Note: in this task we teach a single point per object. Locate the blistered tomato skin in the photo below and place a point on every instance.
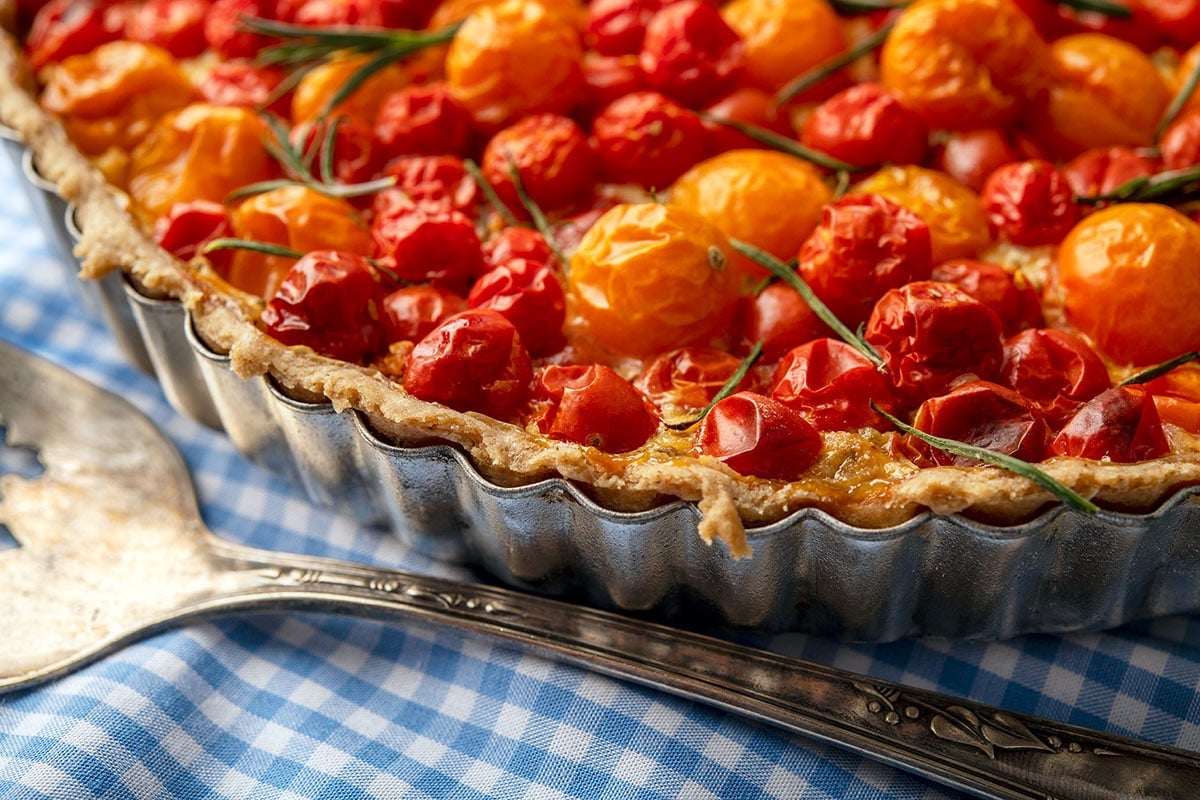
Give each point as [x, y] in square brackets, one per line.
[689, 378]
[780, 319]
[552, 157]
[1101, 170]
[648, 278]
[646, 139]
[473, 361]
[690, 54]
[783, 39]
[411, 312]
[755, 435]
[1030, 203]
[1120, 425]
[1127, 281]
[593, 406]
[1010, 295]
[1054, 369]
[243, 83]
[929, 334]
[982, 414]
[426, 242]
[866, 125]
[190, 225]
[422, 120]
[832, 385]
[1180, 142]
[864, 246]
[618, 27]
[442, 180]
[530, 296]
[328, 301]
[356, 159]
[516, 242]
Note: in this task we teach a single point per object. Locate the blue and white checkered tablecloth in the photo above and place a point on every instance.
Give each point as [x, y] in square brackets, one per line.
[307, 706]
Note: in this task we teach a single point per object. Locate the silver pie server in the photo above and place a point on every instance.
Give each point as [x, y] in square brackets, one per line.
[112, 548]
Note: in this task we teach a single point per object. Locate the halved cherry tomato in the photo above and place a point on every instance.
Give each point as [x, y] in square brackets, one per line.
[328, 301]
[1053, 369]
[983, 414]
[832, 385]
[755, 435]
[472, 361]
[593, 406]
[530, 296]
[1121, 425]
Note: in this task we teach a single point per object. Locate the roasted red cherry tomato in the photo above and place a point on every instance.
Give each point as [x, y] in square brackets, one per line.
[983, 414]
[687, 379]
[755, 435]
[865, 245]
[1053, 369]
[780, 319]
[607, 78]
[1120, 425]
[690, 53]
[355, 158]
[65, 28]
[552, 156]
[1180, 143]
[832, 385]
[1010, 295]
[593, 406]
[437, 179]
[411, 312]
[176, 26]
[224, 31]
[330, 302]
[930, 334]
[618, 27]
[188, 226]
[241, 82]
[473, 361]
[422, 241]
[746, 105]
[971, 156]
[646, 139]
[530, 296]
[423, 120]
[1101, 170]
[1030, 203]
[867, 125]
[516, 242]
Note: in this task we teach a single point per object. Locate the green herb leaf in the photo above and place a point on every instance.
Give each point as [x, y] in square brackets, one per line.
[789, 276]
[489, 193]
[781, 143]
[250, 244]
[1179, 101]
[824, 70]
[1106, 7]
[535, 213]
[728, 388]
[850, 7]
[992, 458]
[1149, 374]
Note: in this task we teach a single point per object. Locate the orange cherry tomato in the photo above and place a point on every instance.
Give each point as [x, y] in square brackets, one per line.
[766, 198]
[202, 152]
[1127, 280]
[963, 63]
[782, 39]
[320, 84]
[295, 217]
[112, 96]
[513, 59]
[649, 277]
[1106, 92]
[957, 224]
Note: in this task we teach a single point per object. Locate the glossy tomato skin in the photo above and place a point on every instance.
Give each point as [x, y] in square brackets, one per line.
[1180, 142]
[750, 106]
[983, 414]
[552, 157]
[426, 242]
[1121, 425]
[188, 226]
[971, 156]
[356, 159]
[930, 334]
[606, 79]
[472, 361]
[689, 377]
[646, 139]
[411, 312]
[1030, 203]
[865, 245]
[516, 242]
[755, 435]
[690, 53]
[177, 26]
[1101, 170]
[867, 125]
[441, 180]
[530, 296]
[422, 120]
[241, 82]
[63, 28]
[224, 33]
[1010, 295]
[593, 406]
[780, 319]
[832, 385]
[1053, 369]
[328, 301]
[618, 27]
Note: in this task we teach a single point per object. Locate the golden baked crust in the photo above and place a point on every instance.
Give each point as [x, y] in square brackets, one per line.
[854, 480]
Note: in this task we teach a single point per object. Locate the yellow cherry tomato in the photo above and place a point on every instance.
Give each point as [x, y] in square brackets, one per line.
[320, 84]
[1127, 279]
[513, 59]
[766, 198]
[782, 39]
[202, 152]
[113, 95]
[649, 277]
[958, 227]
[295, 217]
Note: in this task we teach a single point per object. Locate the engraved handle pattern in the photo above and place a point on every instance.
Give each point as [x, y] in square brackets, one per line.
[986, 751]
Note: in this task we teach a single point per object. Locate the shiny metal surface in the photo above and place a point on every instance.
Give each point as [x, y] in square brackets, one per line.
[933, 576]
[112, 547]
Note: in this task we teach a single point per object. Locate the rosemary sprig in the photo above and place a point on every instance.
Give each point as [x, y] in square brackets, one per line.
[728, 388]
[489, 193]
[1157, 371]
[1170, 185]
[823, 71]
[789, 276]
[1179, 101]
[249, 244]
[1106, 7]
[535, 213]
[1006, 462]
[850, 7]
[781, 143]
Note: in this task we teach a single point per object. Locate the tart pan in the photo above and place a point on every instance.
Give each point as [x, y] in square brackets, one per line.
[935, 575]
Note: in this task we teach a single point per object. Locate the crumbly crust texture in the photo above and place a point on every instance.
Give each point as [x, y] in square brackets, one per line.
[855, 480]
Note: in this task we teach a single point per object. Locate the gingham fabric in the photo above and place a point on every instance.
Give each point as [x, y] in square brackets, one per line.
[308, 706]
